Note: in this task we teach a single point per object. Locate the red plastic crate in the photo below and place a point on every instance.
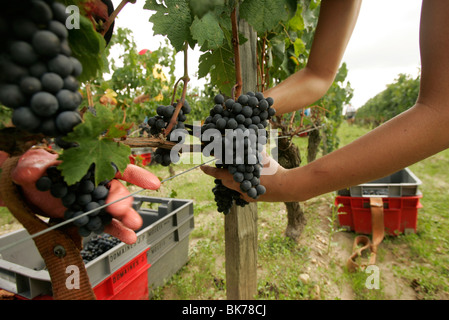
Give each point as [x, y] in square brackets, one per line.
[130, 282]
[145, 157]
[400, 214]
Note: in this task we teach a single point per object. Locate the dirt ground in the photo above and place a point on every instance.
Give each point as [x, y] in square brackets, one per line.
[394, 288]
[10, 227]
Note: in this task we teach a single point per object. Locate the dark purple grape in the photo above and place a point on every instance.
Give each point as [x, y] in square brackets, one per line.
[58, 190]
[82, 221]
[23, 53]
[61, 65]
[44, 183]
[46, 43]
[40, 12]
[52, 82]
[58, 29]
[67, 120]
[25, 119]
[11, 96]
[30, 85]
[44, 104]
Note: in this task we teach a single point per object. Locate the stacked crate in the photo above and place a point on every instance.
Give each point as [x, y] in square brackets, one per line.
[401, 201]
[125, 272]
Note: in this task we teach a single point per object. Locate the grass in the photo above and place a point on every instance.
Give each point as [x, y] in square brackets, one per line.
[6, 220]
[413, 266]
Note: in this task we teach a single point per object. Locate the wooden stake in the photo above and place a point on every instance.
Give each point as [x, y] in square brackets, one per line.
[241, 223]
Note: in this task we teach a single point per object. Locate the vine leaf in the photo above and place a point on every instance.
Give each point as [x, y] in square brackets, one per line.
[94, 148]
[172, 19]
[207, 30]
[264, 15]
[220, 65]
[201, 7]
[88, 47]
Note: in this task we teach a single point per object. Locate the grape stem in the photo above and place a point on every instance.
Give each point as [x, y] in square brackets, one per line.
[235, 44]
[185, 79]
[114, 14]
[90, 99]
[292, 118]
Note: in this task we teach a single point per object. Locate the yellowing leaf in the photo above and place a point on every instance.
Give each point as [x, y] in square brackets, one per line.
[109, 97]
[159, 97]
[158, 73]
[295, 60]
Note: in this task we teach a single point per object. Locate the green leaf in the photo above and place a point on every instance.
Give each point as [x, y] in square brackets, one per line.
[278, 48]
[219, 64]
[299, 47]
[207, 30]
[200, 7]
[309, 13]
[88, 47]
[297, 22]
[93, 148]
[264, 15]
[172, 19]
[292, 6]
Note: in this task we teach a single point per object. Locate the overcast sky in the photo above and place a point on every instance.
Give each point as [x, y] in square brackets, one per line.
[384, 44]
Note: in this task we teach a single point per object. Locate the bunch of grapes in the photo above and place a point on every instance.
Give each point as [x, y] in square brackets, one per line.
[159, 122]
[79, 198]
[98, 245]
[38, 75]
[241, 124]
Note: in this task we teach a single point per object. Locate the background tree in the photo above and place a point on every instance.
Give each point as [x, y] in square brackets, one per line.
[136, 84]
[396, 98]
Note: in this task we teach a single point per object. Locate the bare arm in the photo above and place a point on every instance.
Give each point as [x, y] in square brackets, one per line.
[334, 29]
[414, 135]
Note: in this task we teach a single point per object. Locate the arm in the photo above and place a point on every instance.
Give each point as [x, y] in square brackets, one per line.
[335, 25]
[412, 136]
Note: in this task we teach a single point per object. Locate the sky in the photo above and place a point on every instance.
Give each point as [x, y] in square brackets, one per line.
[385, 43]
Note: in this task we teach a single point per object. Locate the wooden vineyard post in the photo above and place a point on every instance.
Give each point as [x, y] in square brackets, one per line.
[241, 223]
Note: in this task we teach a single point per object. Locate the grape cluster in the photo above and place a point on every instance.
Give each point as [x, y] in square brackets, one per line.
[241, 124]
[159, 122]
[79, 198]
[98, 245]
[38, 75]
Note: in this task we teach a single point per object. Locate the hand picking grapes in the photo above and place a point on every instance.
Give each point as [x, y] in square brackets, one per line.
[377, 152]
[119, 219]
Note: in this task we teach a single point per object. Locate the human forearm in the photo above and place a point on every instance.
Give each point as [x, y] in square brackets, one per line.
[335, 25]
[406, 139]
[298, 91]
[410, 137]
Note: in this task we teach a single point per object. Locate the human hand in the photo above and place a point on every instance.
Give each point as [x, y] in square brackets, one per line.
[269, 178]
[33, 164]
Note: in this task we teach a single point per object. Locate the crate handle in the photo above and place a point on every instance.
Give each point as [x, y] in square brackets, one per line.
[378, 232]
[67, 242]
